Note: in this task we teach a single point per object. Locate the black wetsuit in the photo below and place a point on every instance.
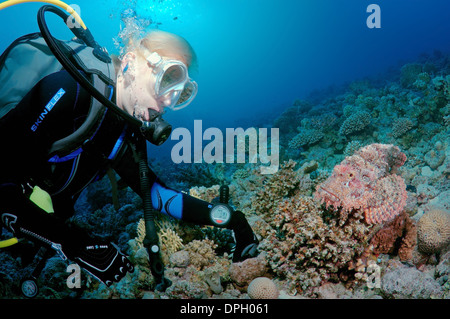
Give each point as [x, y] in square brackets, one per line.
[52, 110]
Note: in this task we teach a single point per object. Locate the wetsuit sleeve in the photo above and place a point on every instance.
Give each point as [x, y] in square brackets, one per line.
[164, 199]
[185, 207]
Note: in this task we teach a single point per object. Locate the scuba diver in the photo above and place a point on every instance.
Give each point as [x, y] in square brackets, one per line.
[58, 139]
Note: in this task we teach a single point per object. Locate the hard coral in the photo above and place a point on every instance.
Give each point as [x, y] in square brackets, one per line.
[242, 273]
[308, 246]
[205, 193]
[434, 231]
[201, 253]
[398, 235]
[262, 288]
[366, 181]
[169, 239]
[356, 122]
[281, 184]
[305, 137]
[401, 126]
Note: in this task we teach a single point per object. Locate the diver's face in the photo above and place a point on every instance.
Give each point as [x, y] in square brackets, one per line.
[136, 85]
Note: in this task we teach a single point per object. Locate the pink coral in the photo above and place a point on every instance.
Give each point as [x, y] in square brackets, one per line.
[367, 181]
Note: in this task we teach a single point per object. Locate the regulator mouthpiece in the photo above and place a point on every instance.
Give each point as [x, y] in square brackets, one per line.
[157, 130]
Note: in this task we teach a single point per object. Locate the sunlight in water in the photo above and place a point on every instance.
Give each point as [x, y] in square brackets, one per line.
[136, 18]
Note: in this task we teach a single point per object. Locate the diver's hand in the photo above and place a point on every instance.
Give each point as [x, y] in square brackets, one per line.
[105, 261]
[246, 241]
[243, 251]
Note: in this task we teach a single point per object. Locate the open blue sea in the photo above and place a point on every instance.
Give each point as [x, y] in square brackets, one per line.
[257, 56]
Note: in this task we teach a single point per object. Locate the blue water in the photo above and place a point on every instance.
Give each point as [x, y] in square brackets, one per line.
[257, 56]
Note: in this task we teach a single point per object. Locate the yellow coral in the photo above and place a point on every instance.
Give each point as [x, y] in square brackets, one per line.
[168, 237]
[140, 233]
[205, 193]
[170, 240]
[433, 231]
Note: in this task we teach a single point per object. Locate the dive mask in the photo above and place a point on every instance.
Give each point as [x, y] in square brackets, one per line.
[172, 83]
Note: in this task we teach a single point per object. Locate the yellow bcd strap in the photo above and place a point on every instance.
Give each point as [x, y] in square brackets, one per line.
[42, 199]
[8, 242]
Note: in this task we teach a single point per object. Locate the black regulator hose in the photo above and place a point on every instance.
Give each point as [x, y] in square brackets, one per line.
[151, 241]
[86, 36]
[154, 133]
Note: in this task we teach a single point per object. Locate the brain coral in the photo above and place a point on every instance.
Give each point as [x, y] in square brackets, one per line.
[433, 231]
[367, 181]
[262, 288]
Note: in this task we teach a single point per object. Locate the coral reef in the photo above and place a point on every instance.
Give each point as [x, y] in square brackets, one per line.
[308, 246]
[398, 236]
[244, 272]
[305, 137]
[352, 147]
[376, 236]
[287, 121]
[442, 272]
[140, 230]
[201, 253]
[199, 174]
[168, 237]
[433, 231]
[205, 193]
[404, 282]
[401, 126]
[366, 181]
[409, 74]
[313, 129]
[354, 123]
[262, 288]
[180, 259]
[281, 184]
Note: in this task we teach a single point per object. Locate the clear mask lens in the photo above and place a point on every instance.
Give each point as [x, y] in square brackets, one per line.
[173, 86]
[172, 78]
[187, 95]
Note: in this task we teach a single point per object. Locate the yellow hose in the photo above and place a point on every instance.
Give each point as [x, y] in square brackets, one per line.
[58, 3]
[8, 242]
